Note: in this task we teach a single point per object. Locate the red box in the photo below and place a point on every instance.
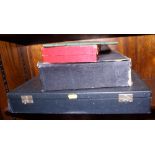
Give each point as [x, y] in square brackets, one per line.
[70, 54]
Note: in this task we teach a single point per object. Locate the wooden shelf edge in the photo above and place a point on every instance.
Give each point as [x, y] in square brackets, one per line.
[29, 39]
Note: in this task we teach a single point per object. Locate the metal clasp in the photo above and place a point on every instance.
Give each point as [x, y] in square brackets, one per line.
[72, 96]
[125, 97]
[27, 99]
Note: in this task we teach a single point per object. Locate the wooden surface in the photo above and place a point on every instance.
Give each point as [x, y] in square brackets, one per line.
[20, 62]
[29, 39]
[13, 69]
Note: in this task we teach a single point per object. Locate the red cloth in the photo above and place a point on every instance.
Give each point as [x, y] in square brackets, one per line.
[70, 54]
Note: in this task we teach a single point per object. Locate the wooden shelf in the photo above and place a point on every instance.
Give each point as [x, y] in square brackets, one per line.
[140, 48]
[29, 39]
[150, 116]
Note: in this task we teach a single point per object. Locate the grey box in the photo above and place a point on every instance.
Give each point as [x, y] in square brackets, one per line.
[111, 70]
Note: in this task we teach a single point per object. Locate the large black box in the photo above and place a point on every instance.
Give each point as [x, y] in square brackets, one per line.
[29, 98]
[111, 70]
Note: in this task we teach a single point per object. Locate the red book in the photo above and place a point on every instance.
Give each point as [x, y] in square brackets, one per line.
[70, 54]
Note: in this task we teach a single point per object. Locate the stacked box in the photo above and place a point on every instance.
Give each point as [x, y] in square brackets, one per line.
[30, 99]
[111, 70]
[78, 79]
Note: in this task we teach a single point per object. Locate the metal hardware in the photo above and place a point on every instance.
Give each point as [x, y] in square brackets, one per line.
[125, 97]
[72, 96]
[24, 66]
[27, 99]
[3, 76]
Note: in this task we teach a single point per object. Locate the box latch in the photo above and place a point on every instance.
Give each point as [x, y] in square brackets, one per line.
[27, 99]
[125, 98]
[72, 96]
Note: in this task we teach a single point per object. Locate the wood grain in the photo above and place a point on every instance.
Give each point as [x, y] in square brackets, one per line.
[141, 50]
[13, 67]
[12, 64]
[34, 56]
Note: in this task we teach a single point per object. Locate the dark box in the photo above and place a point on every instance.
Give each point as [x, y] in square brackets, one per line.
[111, 70]
[29, 98]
